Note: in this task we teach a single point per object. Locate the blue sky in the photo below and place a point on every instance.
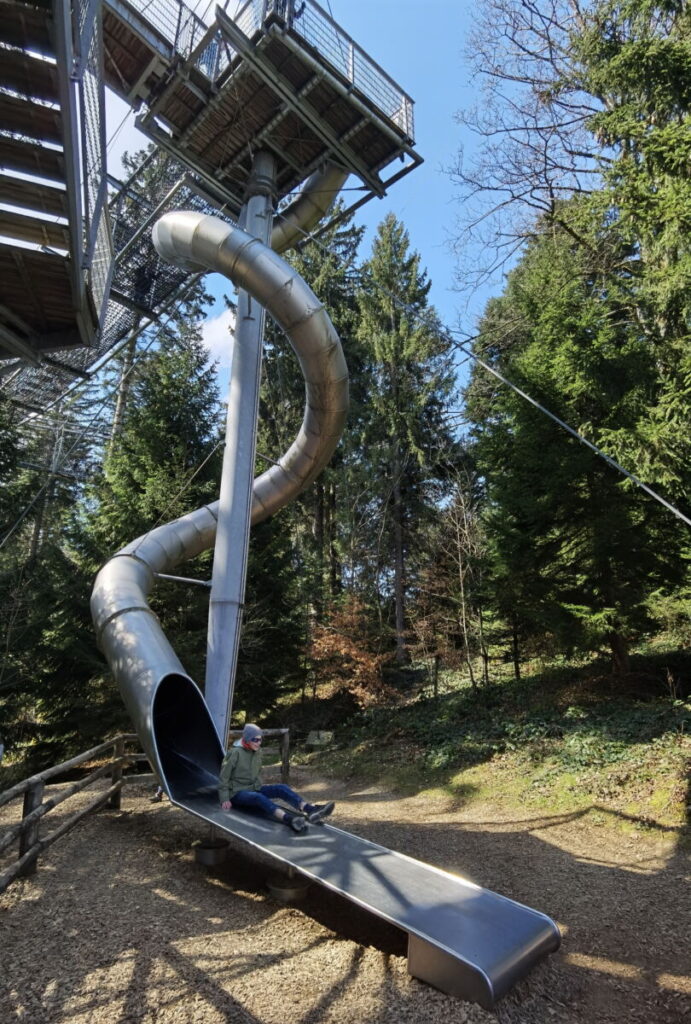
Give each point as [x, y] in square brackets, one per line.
[420, 46]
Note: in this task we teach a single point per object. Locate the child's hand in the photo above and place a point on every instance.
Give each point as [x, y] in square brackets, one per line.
[226, 805]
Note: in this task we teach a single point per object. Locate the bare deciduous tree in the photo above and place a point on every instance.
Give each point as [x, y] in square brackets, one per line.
[535, 148]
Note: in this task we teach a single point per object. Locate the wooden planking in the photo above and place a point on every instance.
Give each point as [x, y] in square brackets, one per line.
[26, 26]
[180, 107]
[31, 158]
[288, 64]
[36, 287]
[246, 105]
[127, 55]
[29, 75]
[32, 195]
[236, 119]
[28, 118]
[217, 125]
[218, 134]
[34, 229]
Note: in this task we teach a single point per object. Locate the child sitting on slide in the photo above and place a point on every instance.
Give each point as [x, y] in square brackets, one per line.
[240, 787]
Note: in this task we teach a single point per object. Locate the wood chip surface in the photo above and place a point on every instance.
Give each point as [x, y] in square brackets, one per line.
[120, 925]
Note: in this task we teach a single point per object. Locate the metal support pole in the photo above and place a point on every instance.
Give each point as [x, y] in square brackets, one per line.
[235, 499]
[285, 756]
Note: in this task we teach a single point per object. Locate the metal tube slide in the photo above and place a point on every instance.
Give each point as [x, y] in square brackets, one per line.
[316, 198]
[165, 704]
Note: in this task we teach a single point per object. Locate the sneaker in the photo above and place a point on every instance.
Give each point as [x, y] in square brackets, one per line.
[297, 822]
[320, 811]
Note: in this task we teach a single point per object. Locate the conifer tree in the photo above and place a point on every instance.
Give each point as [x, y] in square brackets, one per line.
[406, 444]
[161, 464]
[165, 462]
[47, 661]
[576, 551]
[597, 105]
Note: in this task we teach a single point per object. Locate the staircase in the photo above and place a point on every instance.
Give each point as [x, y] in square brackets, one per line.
[78, 273]
[54, 240]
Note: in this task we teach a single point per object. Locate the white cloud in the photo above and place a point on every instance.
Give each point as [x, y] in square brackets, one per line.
[217, 337]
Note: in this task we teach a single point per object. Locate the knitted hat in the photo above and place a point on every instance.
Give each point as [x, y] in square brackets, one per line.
[251, 732]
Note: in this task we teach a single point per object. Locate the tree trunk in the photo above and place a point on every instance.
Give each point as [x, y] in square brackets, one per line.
[515, 648]
[464, 611]
[45, 502]
[621, 664]
[124, 385]
[483, 648]
[399, 565]
[335, 566]
[318, 534]
[435, 676]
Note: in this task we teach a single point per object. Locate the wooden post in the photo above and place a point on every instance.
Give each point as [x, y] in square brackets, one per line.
[285, 755]
[116, 774]
[33, 798]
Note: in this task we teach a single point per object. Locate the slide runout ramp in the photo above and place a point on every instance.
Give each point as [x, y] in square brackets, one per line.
[465, 940]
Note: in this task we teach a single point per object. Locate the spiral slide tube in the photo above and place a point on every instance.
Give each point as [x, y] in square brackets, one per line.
[166, 706]
[464, 940]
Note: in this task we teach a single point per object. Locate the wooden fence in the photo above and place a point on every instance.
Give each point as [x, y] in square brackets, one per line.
[27, 831]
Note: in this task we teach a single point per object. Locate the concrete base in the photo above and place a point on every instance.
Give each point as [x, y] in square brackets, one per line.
[211, 852]
[290, 888]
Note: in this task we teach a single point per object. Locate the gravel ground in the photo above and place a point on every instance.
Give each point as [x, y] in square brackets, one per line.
[121, 925]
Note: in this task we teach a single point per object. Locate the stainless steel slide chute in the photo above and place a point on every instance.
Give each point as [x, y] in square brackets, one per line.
[463, 939]
[153, 682]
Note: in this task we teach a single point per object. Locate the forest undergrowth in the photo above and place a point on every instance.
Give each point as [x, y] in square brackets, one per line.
[561, 740]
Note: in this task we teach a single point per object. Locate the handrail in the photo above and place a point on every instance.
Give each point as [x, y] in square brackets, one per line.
[334, 45]
[175, 22]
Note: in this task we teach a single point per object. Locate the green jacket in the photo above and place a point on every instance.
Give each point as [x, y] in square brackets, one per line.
[240, 770]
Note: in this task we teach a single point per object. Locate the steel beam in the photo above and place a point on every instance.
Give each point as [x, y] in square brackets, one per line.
[285, 90]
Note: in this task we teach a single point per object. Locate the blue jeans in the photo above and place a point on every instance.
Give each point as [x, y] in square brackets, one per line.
[263, 799]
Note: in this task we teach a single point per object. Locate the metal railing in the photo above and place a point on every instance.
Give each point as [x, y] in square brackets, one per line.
[322, 33]
[98, 242]
[27, 831]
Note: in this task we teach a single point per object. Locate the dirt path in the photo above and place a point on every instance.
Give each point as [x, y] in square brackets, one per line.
[121, 925]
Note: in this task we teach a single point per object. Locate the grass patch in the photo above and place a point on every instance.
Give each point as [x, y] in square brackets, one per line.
[546, 743]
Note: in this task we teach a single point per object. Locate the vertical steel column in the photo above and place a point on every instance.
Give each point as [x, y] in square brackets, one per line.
[235, 499]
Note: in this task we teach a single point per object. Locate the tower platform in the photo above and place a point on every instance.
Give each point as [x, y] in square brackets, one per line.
[280, 76]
